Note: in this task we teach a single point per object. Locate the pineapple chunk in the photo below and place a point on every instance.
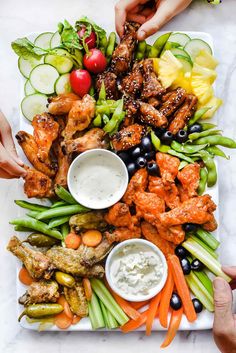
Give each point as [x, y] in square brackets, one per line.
[202, 89]
[204, 73]
[155, 65]
[206, 60]
[214, 103]
[169, 68]
[183, 80]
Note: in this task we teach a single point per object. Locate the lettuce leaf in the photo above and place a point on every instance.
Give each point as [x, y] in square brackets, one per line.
[69, 36]
[25, 48]
[90, 25]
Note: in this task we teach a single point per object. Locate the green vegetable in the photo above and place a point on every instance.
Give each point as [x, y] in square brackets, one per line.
[208, 238]
[148, 48]
[109, 319]
[69, 36]
[92, 91]
[102, 93]
[95, 313]
[55, 222]
[25, 48]
[34, 224]
[109, 302]
[36, 311]
[112, 126]
[205, 280]
[141, 49]
[182, 165]
[197, 115]
[31, 206]
[180, 156]
[211, 167]
[189, 149]
[198, 135]
[110, 46]
[216, 151]
[22, 229]
[204, 245]
[62, 211]
[63, 194]
[98, 121]
[41, 240]
[92, 26]
[207, 126]
[65, 230]
[202, 181]
[59, 204]
[64, 279]
[33, 214]
[157, 143]
[158, 45]
[216, 140]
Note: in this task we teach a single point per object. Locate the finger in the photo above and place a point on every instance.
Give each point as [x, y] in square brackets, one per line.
[230, 271]
[136, 9]
[9, 165]
[147, 11]
[136, 18]
[5, 175]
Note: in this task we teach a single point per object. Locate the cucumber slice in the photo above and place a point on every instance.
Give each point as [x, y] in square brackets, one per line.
[62, 84]
[187, 64]
[182, 52]
[60, 61]
[55, 40]
[34, 104]
[180, 38]
[29, 89]
[43, 40]
[194, 46]
[27, 65]
[43, 78]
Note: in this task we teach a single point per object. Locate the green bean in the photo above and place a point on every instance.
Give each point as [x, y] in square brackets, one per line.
[158, 45]
[180, 156]
[217, 140]
[216, 151]
[116, 118]
[97, 121]
[41, 240]
[157, 143]
[33, 214]
[198, 135]
[64, 279]
[148, 48]
[105, 119]
[31, 206]
[63, 194]
[59, 204]
[103, 44]
[34, 224]
[55, 222]
[210, 166]
[62, 211]
[36, 311]
[202, 181]
[102, 92]
[182, 165]
[22, 229]
[189, 149]
[207, 126]
[141, 49]
[198, 114]
[65, 229]
[110, 46]
[92, 91]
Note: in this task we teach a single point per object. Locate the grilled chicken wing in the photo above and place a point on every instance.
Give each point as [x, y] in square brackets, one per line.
[138, 182]
[168, 166]
[63, 167]
[123, 233]
[37, 264]
[91, 255]
[80, 116]
[183, 114]
[131, 110]
[45, 132]
[30, 148]
[119, 216]
[89, 220]
[189, 177]
[94, 138]
[133, 82]
[169, 194]
[152, 116]
[151, 85]
[40, 292]
[122, 55]
[110, 83]
[128, 137]
[175, 99]
[61, 104]
[38, 184]
[76, 299]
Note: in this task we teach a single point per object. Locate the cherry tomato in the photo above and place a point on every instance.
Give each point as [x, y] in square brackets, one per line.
[80, 81]
[95, 61]
[90, 40]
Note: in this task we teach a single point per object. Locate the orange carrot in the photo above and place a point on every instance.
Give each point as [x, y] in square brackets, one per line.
[182, 287]
[154, 303]
[25, 277]
[175, 320]
[92, 237]
[63, 302]
[72, 241]
[62, 321]
[76, 319]
[132, 325]
[87, 288]
[139, 305]
[166, 294]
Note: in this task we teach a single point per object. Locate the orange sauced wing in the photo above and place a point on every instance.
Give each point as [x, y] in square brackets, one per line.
[123, 233]
[37, 184]
[168, 166]
[61, 104]
[137, 183]
[148, 206]
[119, 215]
[168, 193]
[63, 167]
[189, 177]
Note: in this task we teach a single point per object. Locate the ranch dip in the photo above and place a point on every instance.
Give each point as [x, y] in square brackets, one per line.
[136, 269]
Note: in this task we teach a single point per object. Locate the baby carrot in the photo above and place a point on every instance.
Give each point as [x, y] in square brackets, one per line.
[154, 303]
[72, 241]
[165, 299]
[62, 321]
[25, 277]
[132, 325]
[139, 305]
[175, 320]
[92, 237]
[87, 288]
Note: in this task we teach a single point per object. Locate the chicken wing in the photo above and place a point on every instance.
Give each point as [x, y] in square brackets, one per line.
[175, 99]
[189, 177]
[132, 83]
[151, 86]
[169, 194]
[76, 299]
[110, 83]
[152, 116]
[80, 116]
[211, 225]
[37, 184]
[123, 233]
[88, 220]
[138, 182]
[168, 166]
[119, 216]
[63, 161]
[61, 104]
[40, 292]
[148, 206]
[37, 264]
[131, 111]
[128, 137]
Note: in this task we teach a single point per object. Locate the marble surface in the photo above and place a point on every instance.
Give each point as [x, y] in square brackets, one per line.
[20, 17]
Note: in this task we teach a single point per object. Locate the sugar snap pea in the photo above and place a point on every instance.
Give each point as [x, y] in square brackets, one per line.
[141, 49]
[65, 229]
[216, 140]
[36, 311]
[189, 149]
[216, 151]
[34, 224]
[33, 214]
[211, 167]
[198, 135]
[116, 119]
[103, 44]
[207, 126]
[102, 92]
[64, 279]
[41, 240]
[182, 165]
[158, 45]
[31, 206]
[97, 122]
[180, 156]
[197, 115]
[58, 221]
[64, 195]
[157, 143]
[62, 211]
[22, 229]
[59, 204]
[148, 48]
[202, 181]
[110, 46]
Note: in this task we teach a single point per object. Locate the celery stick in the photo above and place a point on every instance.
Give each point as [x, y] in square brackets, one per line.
[104, 313]
[109, 302]
[204, 245]
[202, 276]
[208, 238]
[200, 291]
[112, 323]
[209, 261]
[95, 313]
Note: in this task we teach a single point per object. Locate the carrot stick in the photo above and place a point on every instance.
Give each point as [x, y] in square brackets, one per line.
[25, 277]
[92, 237]
[87, 288]
[132, 325]
[63, 302]
[139, 305]
[182, 287]
[154, 303]
[166, 294]
[175, 320]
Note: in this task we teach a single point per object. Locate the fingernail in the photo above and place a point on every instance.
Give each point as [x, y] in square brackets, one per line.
[219, 283]
[20, 161]
[141, 34]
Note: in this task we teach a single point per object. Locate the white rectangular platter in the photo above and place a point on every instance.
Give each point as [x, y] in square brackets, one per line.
[205, 319]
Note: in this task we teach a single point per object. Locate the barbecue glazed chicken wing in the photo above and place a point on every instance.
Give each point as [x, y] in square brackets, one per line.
[138, 183]
[79, 117]
[40, 292]
[76, 299]
[152, 116]
[128, 137]
[45, 132]
[133, 82]
[173, 101]
[110, 83]
[37, 184]
[37, 264]
[151, 86]
[61, 104]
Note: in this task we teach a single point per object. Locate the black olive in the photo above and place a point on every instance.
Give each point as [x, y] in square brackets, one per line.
[197, 265]
[190, 227]
[181, 252]
[146, 144]
[159, 131]
[175, 301]
[181, 136]
[135, 153]
[141, 162]
[131, 167]
[186, 267]
[195, 128]
[153, 169]
[167, 138]
[124, 156]
[150, 155]
[197, 305]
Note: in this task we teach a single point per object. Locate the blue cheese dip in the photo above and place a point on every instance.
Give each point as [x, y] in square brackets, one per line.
[136, 269]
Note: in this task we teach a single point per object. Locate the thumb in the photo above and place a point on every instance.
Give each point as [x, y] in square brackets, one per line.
[223, 304]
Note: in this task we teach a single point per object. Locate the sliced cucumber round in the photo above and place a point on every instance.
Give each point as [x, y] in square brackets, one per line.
[55, 40]
[28, 88]
[43, 78]
[187, 64]
[182, 52]
[62, 84]
[43, 40]
[194, 46]
[180, 38]
[60, 61]
[27, 65]
[34, 104]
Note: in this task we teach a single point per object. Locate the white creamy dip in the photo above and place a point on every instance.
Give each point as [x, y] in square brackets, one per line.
[136, 269]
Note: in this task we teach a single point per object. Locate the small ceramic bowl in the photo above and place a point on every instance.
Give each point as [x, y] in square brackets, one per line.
[97, 178]
[114, 254]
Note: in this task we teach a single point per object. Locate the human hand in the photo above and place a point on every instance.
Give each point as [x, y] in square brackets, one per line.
[224, 328]
[152, 15]
[10, 164]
